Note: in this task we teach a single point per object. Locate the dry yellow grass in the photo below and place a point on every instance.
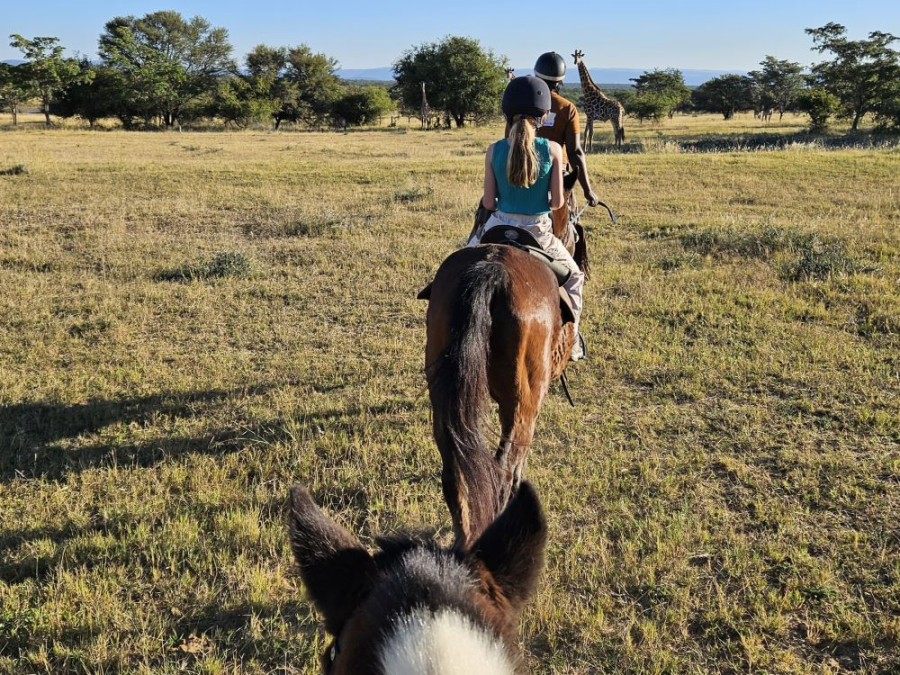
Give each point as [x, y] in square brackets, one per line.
[191, 322]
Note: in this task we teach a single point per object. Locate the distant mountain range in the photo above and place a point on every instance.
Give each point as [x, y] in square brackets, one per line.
[602, 76]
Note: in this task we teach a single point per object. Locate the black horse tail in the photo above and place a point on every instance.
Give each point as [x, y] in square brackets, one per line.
[458, 386]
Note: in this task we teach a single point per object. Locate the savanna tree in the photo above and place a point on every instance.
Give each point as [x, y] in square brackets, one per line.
[726, 94]
[361, 105]
[659, 93]
[46, 70]
[293, 83]
[168, 63]
[777, 85]
[14, 89]
[862, 73]
[93, 96]
[461, 79]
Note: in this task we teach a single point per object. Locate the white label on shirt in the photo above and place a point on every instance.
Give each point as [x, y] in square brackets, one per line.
[551, 118]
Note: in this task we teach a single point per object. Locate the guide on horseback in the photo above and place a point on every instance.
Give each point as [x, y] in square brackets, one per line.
[523, 182]
[561, 124]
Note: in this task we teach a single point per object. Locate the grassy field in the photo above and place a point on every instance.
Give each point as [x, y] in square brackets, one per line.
[191, 322]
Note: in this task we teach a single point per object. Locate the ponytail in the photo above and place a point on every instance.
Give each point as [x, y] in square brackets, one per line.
[522, 162]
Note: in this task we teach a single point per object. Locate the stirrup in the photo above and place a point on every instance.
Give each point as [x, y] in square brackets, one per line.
[573, 356]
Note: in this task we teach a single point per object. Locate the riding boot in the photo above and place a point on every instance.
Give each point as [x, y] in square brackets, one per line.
[579, 349]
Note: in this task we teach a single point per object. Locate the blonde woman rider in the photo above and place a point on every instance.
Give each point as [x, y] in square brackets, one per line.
[523, 181]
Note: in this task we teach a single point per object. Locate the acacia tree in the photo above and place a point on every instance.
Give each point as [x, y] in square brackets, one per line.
[13, 89]
[292, 84]
[659, 93]
[168, 64]
[461, 78]
[777, 85]
[862, 74]
[45, 69]
[361, 105]
[727, 95]
[95, 95]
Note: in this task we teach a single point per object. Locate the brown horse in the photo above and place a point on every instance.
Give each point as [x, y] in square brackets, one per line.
[495, 328]
[413, 607]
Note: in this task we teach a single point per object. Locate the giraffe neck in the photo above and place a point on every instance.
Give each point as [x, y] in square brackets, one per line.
[587, 82]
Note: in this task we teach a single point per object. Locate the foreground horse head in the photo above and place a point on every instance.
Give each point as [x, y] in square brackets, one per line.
[494, 330]
[413, 607]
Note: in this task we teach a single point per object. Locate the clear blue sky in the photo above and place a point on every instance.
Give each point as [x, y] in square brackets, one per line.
[714, 34]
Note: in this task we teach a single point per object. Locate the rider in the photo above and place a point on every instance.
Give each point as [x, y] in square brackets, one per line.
[523, 181]
[561, 124]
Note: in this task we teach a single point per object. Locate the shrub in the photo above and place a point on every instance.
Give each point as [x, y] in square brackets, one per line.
[821, 260]
[820, 105]
[223, 264]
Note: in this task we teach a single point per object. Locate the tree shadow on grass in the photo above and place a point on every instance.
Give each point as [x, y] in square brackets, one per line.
[35, 438]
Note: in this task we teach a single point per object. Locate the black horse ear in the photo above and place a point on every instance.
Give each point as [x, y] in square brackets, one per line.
[335, 567]
[512, 547]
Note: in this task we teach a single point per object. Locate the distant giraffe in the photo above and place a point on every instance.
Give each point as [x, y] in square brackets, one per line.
[598, 106]
[510, 74]
[425, 116]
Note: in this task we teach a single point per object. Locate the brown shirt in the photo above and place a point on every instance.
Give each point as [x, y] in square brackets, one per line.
[563, 117]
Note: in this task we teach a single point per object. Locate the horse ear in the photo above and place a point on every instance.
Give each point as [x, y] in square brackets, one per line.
[335, 567]
[512, 547]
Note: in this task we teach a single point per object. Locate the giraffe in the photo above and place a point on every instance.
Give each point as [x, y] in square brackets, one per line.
[510, 74]
[598, 106]
[425, 109]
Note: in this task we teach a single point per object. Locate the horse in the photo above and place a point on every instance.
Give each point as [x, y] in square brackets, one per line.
[496, 327]
[414, 607]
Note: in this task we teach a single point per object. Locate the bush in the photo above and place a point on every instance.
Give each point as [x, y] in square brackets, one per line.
[223, 264]
[820, 105]
[361, 105]
[821, 260]
[761, 243]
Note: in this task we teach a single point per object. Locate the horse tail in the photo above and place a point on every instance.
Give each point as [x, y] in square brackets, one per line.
[458, 386]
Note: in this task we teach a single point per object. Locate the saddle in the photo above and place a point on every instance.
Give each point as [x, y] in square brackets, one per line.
[523, 240]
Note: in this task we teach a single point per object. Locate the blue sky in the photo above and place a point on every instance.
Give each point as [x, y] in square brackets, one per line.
[714, 34]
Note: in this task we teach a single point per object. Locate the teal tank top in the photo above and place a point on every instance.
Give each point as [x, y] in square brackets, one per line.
[532, 200]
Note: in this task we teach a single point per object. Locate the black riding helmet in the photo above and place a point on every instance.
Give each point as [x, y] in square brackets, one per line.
[550, 66]
[526, 95]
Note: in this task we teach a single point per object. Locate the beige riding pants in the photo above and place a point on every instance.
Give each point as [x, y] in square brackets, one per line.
[541, 227]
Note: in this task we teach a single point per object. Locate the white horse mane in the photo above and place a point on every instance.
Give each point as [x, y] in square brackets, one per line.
[442, 643]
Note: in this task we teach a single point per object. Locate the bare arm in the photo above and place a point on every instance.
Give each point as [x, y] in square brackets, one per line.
[489, 196]
[557, 195]
[576, 156]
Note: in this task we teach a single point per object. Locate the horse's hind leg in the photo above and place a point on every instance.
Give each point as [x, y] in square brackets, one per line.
[518, 416]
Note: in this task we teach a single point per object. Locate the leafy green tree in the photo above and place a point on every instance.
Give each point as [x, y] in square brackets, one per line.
[659, 93]
[14, 89]
[461, 78]
[310, 83]
[292, 84]
[820, 105]
[93, 96]
[862, 73]
[168, 64]
[361, 105]
[46, 69]
[777, 85]
[726, 94]
[887, 110]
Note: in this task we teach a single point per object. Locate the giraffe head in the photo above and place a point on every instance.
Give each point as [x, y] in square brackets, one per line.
[578, 56]
[510, 73]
